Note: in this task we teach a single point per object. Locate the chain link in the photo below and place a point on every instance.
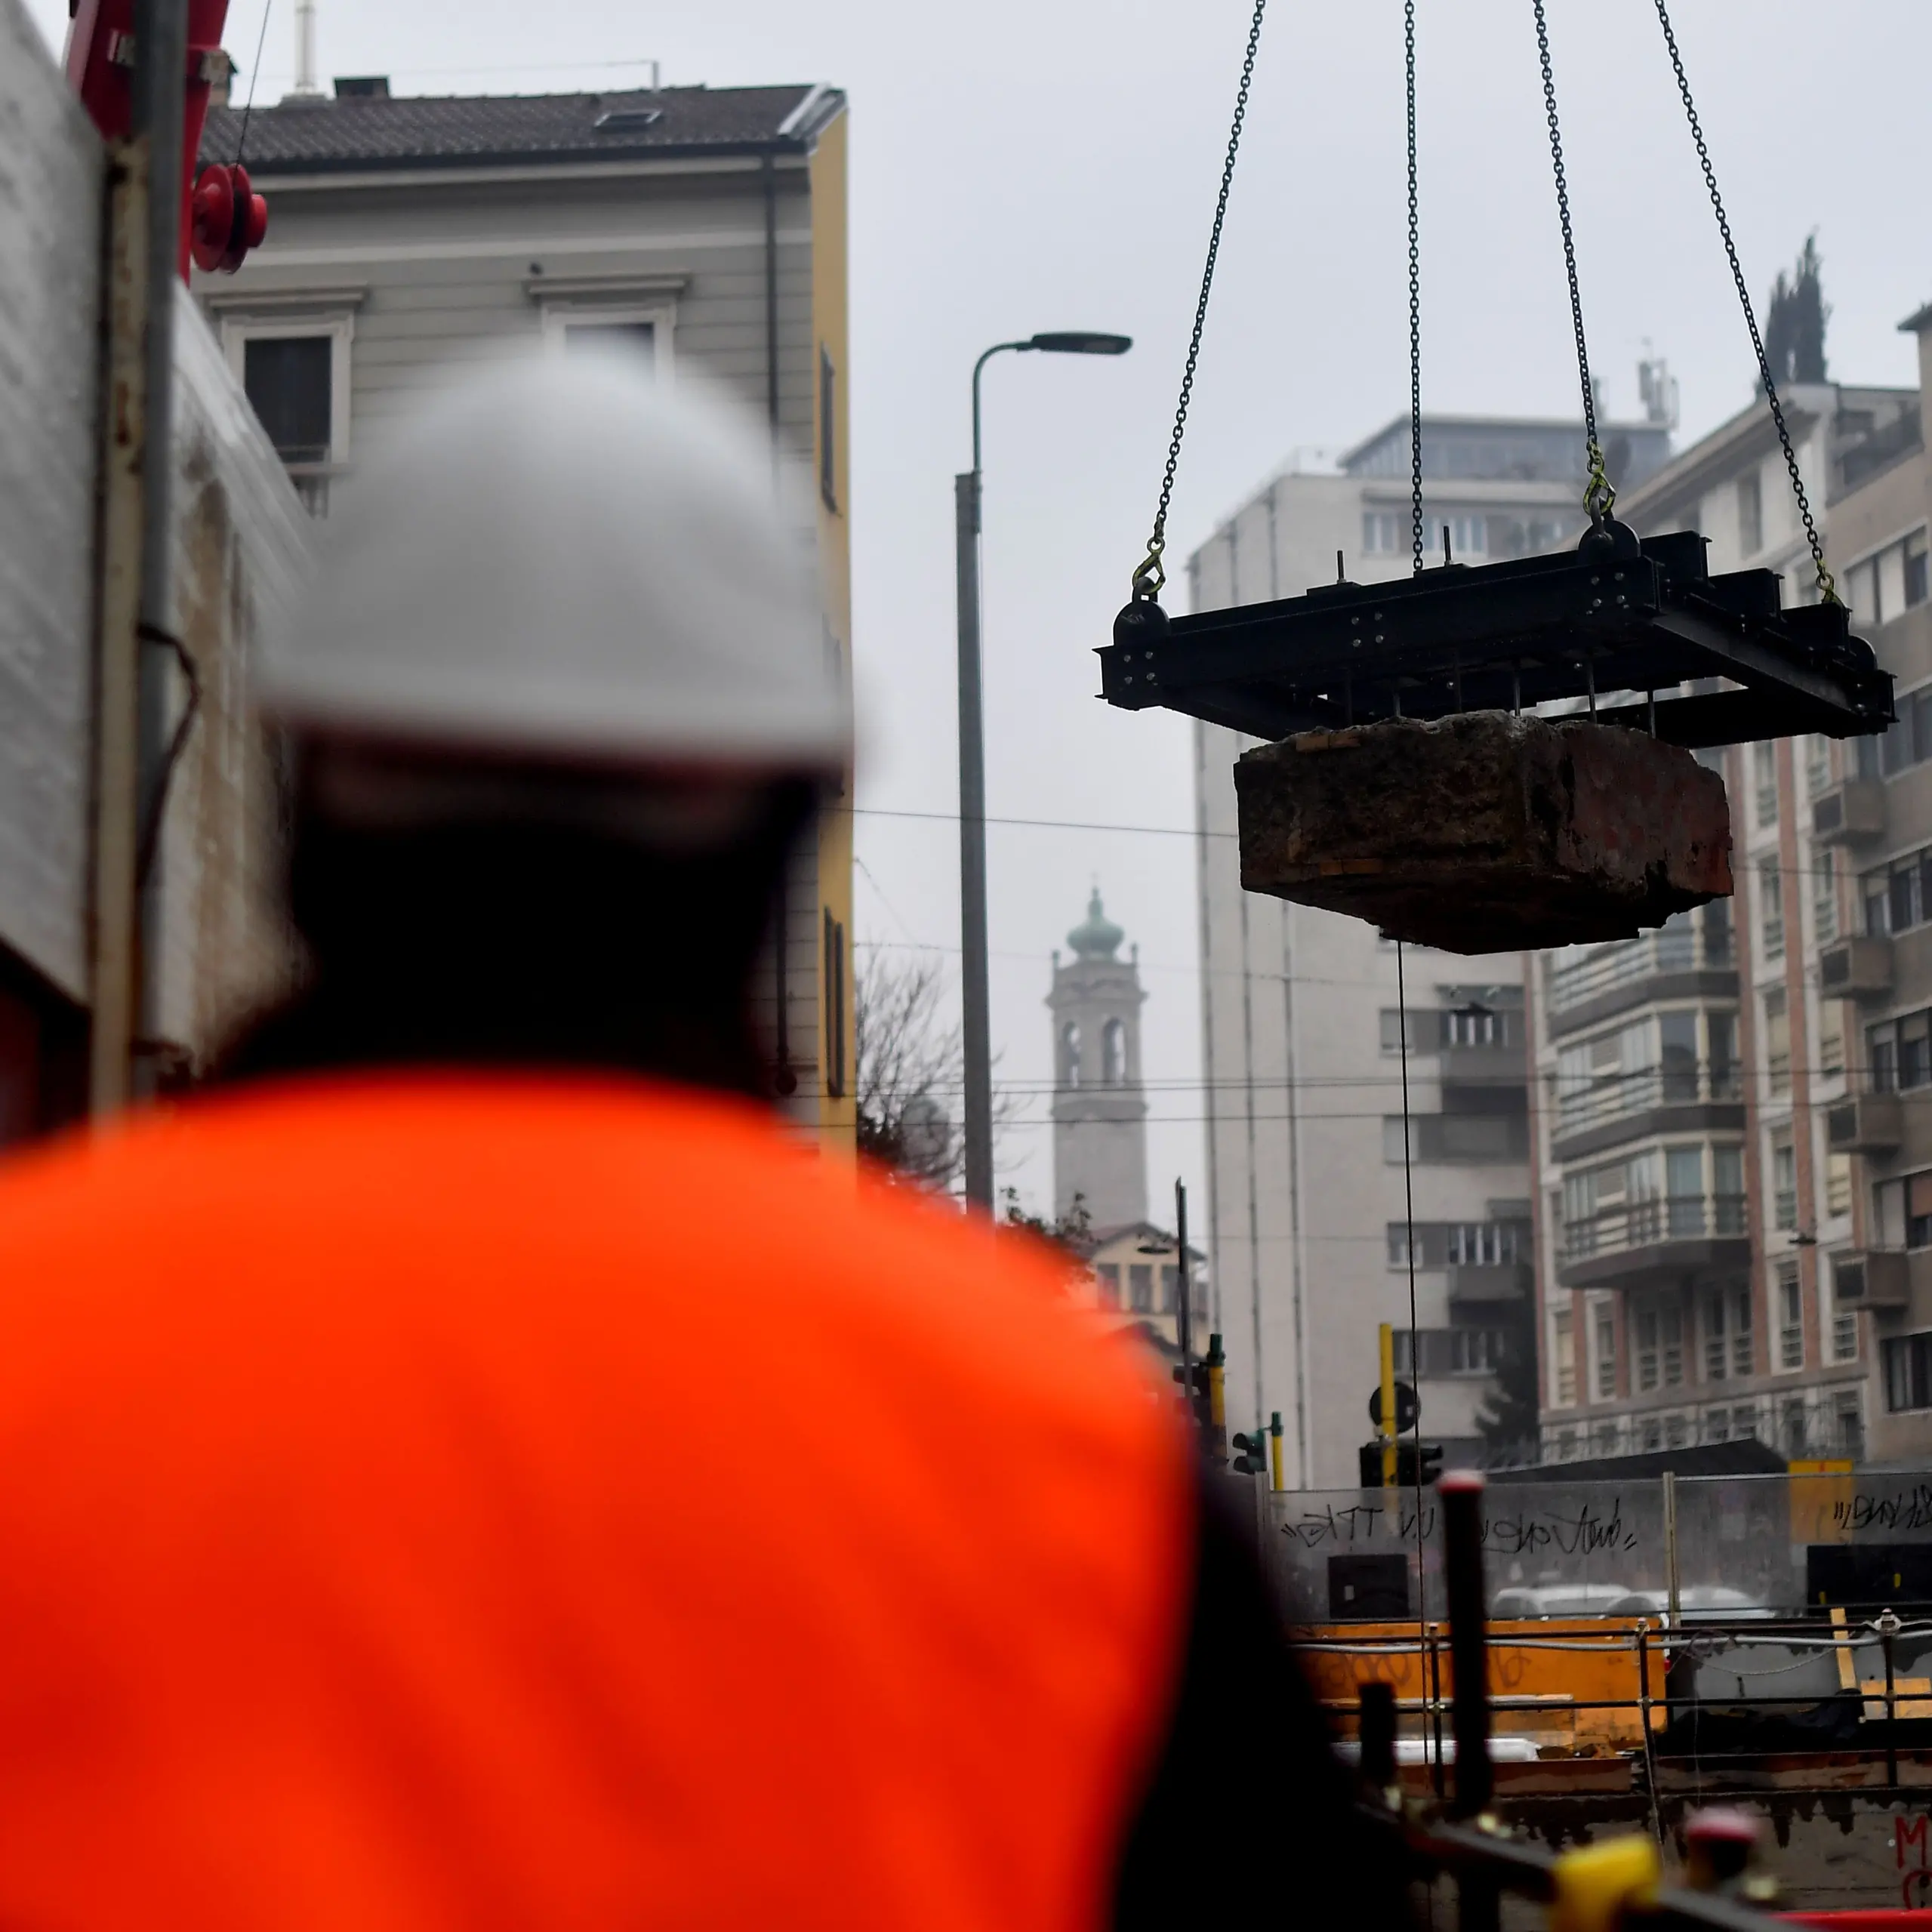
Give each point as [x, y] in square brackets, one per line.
[1828, 588]
[1149, 577]
[1599, 496]
[1414, 303]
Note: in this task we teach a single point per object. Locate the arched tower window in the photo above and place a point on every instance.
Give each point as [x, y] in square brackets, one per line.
[1070, 1054]
[1114, 1054]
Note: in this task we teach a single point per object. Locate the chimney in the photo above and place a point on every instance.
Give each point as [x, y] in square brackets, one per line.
[222, 82]
[305, 88]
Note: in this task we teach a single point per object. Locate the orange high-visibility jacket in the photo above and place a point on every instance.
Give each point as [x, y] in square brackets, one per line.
[441, 1501]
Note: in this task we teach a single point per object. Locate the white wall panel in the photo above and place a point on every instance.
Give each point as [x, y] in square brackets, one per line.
[50, 196]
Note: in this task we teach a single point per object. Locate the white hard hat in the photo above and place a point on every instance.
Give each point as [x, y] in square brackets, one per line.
[567, 558]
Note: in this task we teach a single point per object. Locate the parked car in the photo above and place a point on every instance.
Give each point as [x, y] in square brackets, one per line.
[1538, 1599]
[1701, 1603]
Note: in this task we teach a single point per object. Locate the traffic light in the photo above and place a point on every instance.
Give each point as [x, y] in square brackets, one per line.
[1205, 1393]
[1252, 1457]
[1194, 1393]
[1370, 1459]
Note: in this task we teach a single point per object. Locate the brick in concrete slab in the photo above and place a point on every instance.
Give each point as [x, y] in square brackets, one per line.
[1486, 832]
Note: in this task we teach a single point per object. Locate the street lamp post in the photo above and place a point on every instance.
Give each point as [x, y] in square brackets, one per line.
[976, 1026]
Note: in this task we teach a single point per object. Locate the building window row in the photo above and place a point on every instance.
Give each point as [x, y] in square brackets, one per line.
[1901, 1211]
[1473, 1024]
[1898, 896]
[1727, 1333]
[1898, 1053]
[1685, 941]
[1563, 1356]
[1676, 1193]
[1908, 742]
[1471, 533]
[1791, 1318]
[1661, 1344]
[1824, 895]
[1679, 1056]
[1771, 908]
[1459, 1243]
[1824, 1422]
[1764, 779]
[1434, 1352]
[1883, 586]
[1140, 1287]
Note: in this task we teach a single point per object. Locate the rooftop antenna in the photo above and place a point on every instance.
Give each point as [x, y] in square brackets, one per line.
[305, 88]
[1658, 388]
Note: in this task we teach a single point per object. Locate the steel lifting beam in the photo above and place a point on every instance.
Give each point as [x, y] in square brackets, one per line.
[1617, 615]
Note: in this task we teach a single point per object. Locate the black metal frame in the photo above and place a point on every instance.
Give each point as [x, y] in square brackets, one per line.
[1617, 614]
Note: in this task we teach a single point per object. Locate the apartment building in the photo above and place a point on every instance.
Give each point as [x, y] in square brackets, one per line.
[1872, 827]
[1704, 1232]
[1310, 1202]
[700, 230]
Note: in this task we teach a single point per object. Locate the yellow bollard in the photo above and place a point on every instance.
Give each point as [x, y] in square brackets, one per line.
[1387, 1337]
[1594, 1883]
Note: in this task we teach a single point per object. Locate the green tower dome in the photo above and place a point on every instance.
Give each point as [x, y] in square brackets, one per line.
[1097, 937]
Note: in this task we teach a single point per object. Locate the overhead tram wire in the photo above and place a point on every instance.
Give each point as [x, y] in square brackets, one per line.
[254, 74]
[1409, 1245]
[1207, 832]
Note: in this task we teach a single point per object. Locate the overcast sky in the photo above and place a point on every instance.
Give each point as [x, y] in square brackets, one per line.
[1023, 165]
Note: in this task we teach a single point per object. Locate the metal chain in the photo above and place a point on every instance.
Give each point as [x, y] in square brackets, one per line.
[1827, 588]
[1599, 496]
[1415, 304]
[1149, 577]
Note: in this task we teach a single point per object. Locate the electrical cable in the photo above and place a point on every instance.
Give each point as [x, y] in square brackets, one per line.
[255, 74]
[1414, 1330]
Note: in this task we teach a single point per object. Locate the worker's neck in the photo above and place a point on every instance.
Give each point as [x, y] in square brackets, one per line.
[335, 1027]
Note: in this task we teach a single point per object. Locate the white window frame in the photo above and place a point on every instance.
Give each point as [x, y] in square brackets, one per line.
[287, 318]
[1872, 555]
[611, 300]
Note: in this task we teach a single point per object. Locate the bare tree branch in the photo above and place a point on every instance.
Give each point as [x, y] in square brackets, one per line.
[910, 1074]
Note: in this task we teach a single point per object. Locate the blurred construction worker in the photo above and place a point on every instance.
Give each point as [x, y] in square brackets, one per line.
[472, 1466]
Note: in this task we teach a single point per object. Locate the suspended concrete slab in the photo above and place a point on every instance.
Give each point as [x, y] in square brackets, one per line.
[1485, 831]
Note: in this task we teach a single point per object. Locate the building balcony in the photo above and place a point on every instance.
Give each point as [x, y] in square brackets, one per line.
[1875, 1277]
[1859, 968]
[1460, 1139]
[1865, 1124]
[1644, 1243]
[1483, 1066]
[1448, 1353]
[1658, 1100]
[1509, 1281]
[1851, 812]
[1684, 959]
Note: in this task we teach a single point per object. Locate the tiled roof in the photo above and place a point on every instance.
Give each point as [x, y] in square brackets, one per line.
[427, 131]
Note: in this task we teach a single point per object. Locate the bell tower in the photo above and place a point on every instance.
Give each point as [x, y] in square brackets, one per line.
[1099, 1110]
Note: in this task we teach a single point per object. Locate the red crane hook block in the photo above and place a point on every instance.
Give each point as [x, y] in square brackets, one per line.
[228, 218]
